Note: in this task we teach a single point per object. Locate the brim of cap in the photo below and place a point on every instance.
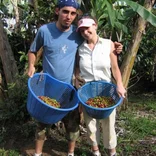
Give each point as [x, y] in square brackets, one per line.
[84, 25]
[86, 22]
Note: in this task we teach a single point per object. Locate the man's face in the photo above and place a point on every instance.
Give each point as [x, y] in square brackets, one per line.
[66, 16]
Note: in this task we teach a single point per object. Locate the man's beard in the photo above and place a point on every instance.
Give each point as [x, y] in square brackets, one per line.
[65, 27]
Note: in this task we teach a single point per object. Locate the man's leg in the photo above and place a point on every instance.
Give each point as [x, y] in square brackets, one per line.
[71, 122]
[71, 146]
[39, 146]
[40, 137]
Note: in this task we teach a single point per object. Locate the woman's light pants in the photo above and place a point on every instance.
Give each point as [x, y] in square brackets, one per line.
[108, 130]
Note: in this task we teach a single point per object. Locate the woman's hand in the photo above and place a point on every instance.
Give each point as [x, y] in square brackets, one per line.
[121, 91]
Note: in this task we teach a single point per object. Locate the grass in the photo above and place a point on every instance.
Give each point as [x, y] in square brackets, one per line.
[139, 127]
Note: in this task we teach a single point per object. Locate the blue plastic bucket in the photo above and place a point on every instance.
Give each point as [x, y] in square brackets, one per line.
[42, 84]
[98, 88]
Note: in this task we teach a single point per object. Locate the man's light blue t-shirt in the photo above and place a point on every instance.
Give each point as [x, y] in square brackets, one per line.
[59, 50]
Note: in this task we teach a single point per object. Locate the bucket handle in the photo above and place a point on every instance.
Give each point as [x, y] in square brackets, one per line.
[41, 77]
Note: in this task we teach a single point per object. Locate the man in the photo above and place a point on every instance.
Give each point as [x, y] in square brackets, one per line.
[60, 42]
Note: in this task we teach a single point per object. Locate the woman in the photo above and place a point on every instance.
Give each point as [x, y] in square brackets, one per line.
[97, 60]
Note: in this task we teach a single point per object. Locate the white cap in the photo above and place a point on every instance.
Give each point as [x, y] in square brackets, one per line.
[85, 22]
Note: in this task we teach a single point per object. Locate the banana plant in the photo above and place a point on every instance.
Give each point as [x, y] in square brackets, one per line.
[115, 17]
[142, 11]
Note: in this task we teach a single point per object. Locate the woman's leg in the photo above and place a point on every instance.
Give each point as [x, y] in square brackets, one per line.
[109, 134]
[93, 131]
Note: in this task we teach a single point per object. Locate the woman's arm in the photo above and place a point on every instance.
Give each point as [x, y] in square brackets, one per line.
[116, 72]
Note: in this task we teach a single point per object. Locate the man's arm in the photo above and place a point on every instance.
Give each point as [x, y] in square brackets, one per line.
[31, 63]
[78, 80]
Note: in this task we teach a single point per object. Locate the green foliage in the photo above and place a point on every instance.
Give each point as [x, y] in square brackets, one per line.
[28, 129]
[4, 152]
[144, 13]
[14, 106]
[44, 13]
[117, 16]
[20, 43]
[144, 63]
[6, 7]
[2, 134]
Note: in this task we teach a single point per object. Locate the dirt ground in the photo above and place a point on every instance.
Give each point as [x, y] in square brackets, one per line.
[55, 145]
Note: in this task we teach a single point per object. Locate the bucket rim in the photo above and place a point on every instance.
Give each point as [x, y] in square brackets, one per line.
[60, 109]
[100, 109]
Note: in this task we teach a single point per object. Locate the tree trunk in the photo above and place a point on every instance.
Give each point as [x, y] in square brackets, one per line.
[15, 6]
[35, 4]
[1, 89]
[154, 69]
[7, 57]
[129, 59]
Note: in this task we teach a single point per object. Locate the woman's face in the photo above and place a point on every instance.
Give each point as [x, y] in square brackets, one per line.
[88, 32]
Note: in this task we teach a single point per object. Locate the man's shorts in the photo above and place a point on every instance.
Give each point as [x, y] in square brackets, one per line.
[71, 122]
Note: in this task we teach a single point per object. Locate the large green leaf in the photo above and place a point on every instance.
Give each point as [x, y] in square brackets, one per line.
[111, 13]
[97, 7]
[121, 26]
[10, 9]
[142, 11]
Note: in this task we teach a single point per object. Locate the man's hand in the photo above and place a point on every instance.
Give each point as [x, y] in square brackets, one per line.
[118, 47]
[31, 63]
[31, 71]
[79, 82]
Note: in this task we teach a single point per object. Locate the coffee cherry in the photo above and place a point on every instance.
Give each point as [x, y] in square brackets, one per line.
[100, 101]
[50, 101]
